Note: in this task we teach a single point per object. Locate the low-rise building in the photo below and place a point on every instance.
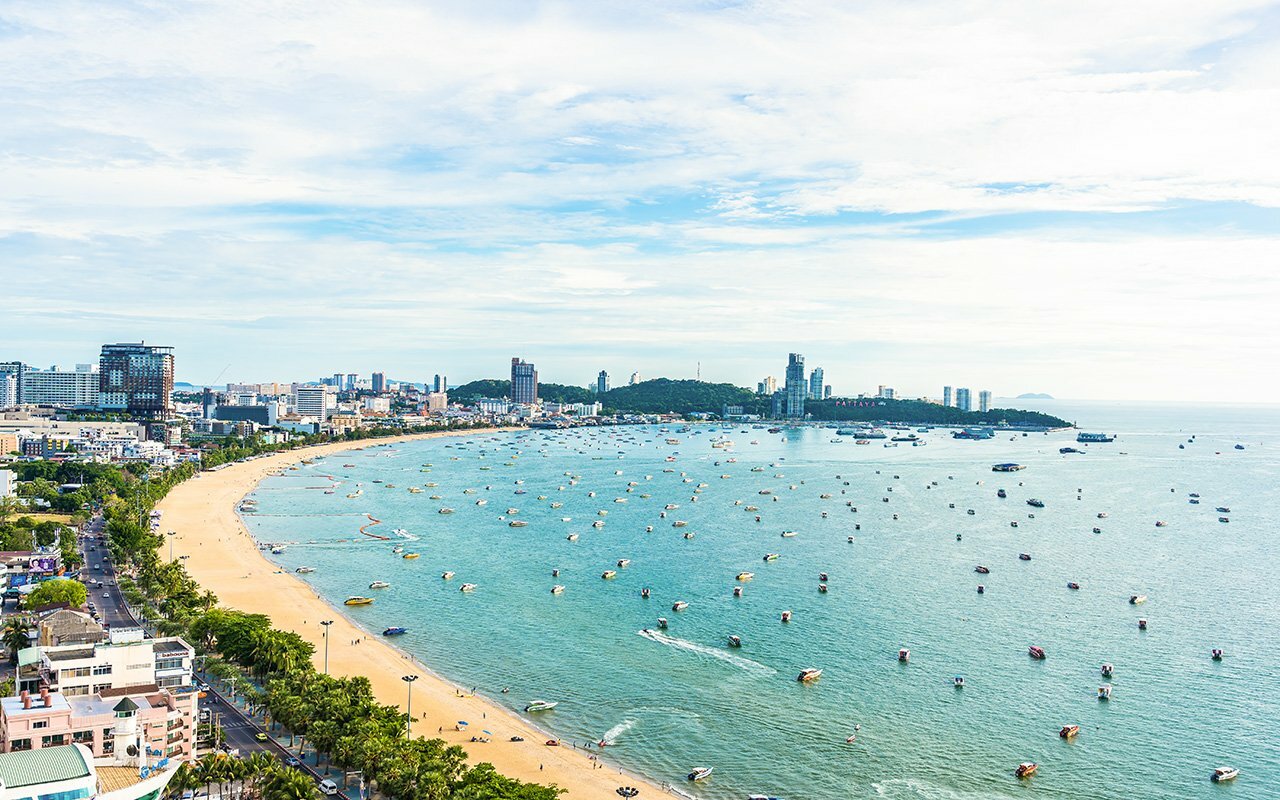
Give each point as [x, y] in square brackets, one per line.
[124, 660]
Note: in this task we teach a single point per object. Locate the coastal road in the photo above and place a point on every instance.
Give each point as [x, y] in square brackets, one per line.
[112, 611]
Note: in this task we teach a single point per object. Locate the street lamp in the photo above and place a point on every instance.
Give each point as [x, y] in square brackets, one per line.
[326, 623]
[171, 535]
[408, 723]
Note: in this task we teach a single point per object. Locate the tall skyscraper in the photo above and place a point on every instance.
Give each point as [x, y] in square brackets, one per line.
[137, 379]
[984, 401]
[815, 384]
[11, 373]
[796, 386]
[767, 386]
[337, 381]
[946, 395]
[379, 381]
[524, 382]
[962, 400]
[440, 384]
[602, 382]
[350, 382]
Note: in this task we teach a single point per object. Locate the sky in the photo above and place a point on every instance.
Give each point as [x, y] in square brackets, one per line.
[1080, 198]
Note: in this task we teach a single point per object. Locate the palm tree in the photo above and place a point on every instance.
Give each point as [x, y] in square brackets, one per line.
[289, 784]
[14, 635]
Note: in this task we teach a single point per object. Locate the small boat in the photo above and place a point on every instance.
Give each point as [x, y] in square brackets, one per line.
[398, 549]
[598, 524]
[573, 537]
[557, 589]
[355, 600]
[1142, 624]
[822, 576]
[467, 587]
[379, 585]
[810, 674]
[540, 705]
[1036, 652]
[409, 556]
[822, 588]
[609, 574]
[1102, 515]
[700, 773]
[904, 655]
[662, 622]
[1073, 585]
[446, 576]
[737, 591]
[735, 641]
[1104, 692]
[1224, 774]
[277, 550]
[445, 511]
[1024, 556]
[1069, 731]
[746, 576]
[1001, 493]
[1034, 503]
[786, 616]
[1026, 769]
[958, 681]
[645, 592]
[679, 605]
[981, 570]
[788, 534]
[1223, 519]
[305, 570]
[1135, 599]
[771, 556]
[1161, 523]
[482, 502]
[1107, 670]
[1223, 510]
[982, 589]
[517, 523]
[1097, 530]
[623, 562]
[1216, 654]
[395, 630]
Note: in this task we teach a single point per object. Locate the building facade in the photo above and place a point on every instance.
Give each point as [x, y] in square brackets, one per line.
[984, 401]
[796, 388]
[311, 401]
[136, 379]
[962, 400]
[602, 382]
[378, 382]
[524, 382]
[946, 395]
[815, 384]
[767, 386]
[62, 388]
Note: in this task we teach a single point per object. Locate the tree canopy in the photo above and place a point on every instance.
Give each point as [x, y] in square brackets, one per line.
[58, 591]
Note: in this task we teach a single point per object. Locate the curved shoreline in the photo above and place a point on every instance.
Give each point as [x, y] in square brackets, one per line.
[223, 556]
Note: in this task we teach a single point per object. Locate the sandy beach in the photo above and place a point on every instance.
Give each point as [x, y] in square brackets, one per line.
[223, 557]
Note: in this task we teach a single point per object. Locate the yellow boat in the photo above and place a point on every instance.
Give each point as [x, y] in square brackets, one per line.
[409, 555]
[358, 601]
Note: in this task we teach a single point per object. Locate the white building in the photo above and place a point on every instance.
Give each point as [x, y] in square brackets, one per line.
[125, 660]
[8, 482]
[963, 401]
[76, 388]
[311, 401]
[378, 404]
[8, 389]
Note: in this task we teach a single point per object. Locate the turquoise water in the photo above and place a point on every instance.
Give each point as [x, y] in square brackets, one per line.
[680, 698]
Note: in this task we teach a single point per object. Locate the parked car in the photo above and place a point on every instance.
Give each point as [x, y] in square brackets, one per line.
[327, 787]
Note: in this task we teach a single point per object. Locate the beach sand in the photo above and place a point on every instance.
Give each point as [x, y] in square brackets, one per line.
[223, 557]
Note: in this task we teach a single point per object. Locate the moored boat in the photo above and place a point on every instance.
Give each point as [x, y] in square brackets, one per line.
[1069, 731]
[305, 570]
[1026, 769]
[679, 605]
[609, 574]
[1104, 692]
[356, 600]
[700, 773]
[395, 630]
[1036, 652]
[735, 641]
[540, 705]
[904, 655]
[379, 585]
[810, 674]
[557, 589]
[746, 576]
[467, 587]
[1223, 774]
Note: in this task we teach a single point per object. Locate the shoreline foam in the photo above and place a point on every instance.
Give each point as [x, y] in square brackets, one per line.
[223, 556]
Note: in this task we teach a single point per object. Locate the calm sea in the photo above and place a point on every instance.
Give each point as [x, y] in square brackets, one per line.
[670, 700]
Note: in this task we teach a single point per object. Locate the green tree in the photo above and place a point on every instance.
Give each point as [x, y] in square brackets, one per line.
[15, 636]
[58, 591]
[289, 784]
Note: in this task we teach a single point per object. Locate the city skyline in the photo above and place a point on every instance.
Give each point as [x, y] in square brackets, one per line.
[1055, 244]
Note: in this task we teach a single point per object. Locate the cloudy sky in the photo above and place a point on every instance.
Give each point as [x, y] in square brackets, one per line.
[1072, 197]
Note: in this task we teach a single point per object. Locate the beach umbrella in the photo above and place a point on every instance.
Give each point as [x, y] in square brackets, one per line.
[463, 722]
[487, 733]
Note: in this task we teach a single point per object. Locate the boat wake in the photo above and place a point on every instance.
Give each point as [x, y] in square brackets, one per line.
[744, 664]
[611, 735]
[915, 789]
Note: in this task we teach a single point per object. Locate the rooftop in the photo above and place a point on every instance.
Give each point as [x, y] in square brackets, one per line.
[46, 765]
[171, 646]
[12, 706]
[68, 655]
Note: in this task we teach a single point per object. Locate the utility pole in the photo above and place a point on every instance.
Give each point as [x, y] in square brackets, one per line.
[326, 623]
[408, 723]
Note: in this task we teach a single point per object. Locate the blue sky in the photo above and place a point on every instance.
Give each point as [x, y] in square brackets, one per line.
[1080, 198]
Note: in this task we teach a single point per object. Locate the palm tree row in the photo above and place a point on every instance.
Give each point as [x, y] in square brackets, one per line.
[258, 776]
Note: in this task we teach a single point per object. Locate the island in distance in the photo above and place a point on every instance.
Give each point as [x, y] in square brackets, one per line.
[1034, 396]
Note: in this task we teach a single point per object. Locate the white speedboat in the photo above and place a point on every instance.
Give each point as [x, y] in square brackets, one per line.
[446, 576]
[700, 773]
[679, 605]
[1222, 774]
[609, 574]
[540, 705]
[810, 674]
[305, 570]
[379, 585]
[557, 589]
[467, 587]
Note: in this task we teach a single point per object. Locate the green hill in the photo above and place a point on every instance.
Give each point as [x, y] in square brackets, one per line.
[912, 411]
[665, 396]
[547, 392]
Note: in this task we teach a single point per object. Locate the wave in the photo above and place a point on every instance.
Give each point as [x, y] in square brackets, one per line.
[611, 735]
[745, 664]
[915, 789]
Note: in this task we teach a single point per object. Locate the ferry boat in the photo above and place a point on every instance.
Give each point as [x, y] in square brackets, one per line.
[379, 585]
[679, 605]
[810, 674]
[735, 641]
[355, 600]
[609, 574]
[700, 773]
[1036, 652]
[305, 570]
[557, 589]
[540, 705]
[1026, 769]
[1068, 731]
[467, 587]
[1094, 437]
[904, 655]
[1224, 774]
[395, 630]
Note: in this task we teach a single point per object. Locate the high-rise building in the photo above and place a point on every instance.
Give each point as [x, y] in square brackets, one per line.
[826, 392]
[796, 385]
[886, 392]
[11, 373]
[946, 395]
[524, 382]
[440, 384]
[350, 383]
[767, 386]
[62, 388]
[984, 401]
[815, 384]
[602, 382]
[137, 379]
[635, 378]
[962, 400]
[379, 382]
[311, 401]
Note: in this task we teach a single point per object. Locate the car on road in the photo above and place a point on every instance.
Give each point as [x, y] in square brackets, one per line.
[107, 595]
[292, 763]
[260, 737]
[327, 787]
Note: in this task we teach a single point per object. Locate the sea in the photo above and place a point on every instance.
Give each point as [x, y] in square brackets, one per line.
[898, 530]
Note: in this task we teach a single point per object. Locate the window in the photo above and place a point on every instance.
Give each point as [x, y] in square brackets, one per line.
[70, 794]
[40, 723]
[75, 691]
[169, 663]
[100, 687]
[102, 669]
[53, 741]
[165, 683]
[75, 672]
[20, 744]
[82, 737]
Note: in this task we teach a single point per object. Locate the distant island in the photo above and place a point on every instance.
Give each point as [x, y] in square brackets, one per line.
[1034, 396]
